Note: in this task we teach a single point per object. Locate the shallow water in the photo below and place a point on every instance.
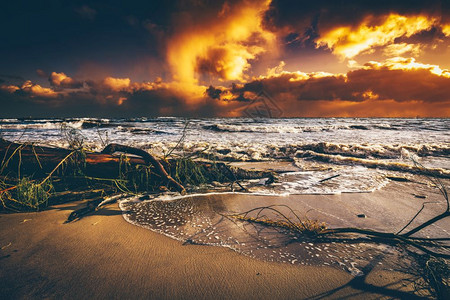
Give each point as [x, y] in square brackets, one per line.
[209, 220]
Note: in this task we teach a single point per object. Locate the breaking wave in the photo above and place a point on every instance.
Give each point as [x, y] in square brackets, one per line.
[252, 128]
[374, 143]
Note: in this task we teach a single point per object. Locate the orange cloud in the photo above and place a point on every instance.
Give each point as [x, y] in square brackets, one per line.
[446, 29]
[116, 84]
[220, 47]
[398, 87]
[401, 63]
[347, 41]
[368, 108]
[9, 88]
[35, 90]
[401, 49]
[62, 80]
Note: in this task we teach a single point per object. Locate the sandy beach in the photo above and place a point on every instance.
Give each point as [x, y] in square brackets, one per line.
[103, 256]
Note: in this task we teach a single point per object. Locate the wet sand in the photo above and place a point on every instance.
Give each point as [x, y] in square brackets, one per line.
[103, 256]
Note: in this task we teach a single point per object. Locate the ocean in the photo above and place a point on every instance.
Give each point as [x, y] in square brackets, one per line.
[311, 156]
[353, 145]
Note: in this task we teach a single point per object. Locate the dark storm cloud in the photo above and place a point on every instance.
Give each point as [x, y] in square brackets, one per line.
[377, 88]
[110, 97]
[311, 24]
[213, 93]
[164, 102]
[287, 86]
[401, 85]
[299, 15]
[199, 42]
[392, 80]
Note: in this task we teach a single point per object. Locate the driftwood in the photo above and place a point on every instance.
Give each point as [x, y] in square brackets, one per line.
[29, 159]
[18, 160]
[72, 172]
[149, 160]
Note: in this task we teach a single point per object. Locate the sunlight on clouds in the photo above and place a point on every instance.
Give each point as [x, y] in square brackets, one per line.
[401, 63]
[9, 88]
[117, 84]
[62, 80]
[402, 48]
[446, 29]
[297, 75]
[57, 78]
[276, 70]
[300, 76]
[348, 42]
[31, 89]
[223, 48]
[369, 95]
[121, 100]
[293, 76]
[148, 86]
[35, 90]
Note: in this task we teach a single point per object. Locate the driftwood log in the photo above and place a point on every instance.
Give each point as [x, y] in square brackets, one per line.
[39, 161]
[29, 159]
[149, 160]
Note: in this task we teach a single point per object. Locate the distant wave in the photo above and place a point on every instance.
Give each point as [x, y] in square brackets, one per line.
[264, 128]
[248, 152]
[378, 151]
[374, 163]
[153, 120]
[136, 130]
[284, 128]
[39, 126]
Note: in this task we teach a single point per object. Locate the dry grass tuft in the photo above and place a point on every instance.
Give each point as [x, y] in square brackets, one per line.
[308, 227]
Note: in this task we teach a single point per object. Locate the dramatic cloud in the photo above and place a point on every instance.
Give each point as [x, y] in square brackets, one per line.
[446, 29]
[324, 15]
[348, 42]
[395, 50]
[63, 81]
[9, 88]
[220, 58]
[399, 87]
[37, 91]
[350, 29]
[117, 84]
[222, 45]
[107, 97]
[400, 63]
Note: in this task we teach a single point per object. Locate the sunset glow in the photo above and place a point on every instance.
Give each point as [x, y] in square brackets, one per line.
[348, 42]
[195, 58]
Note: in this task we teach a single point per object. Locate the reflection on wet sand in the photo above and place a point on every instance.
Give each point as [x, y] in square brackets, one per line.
[205, 220]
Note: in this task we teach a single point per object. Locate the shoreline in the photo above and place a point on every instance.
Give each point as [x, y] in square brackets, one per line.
[103, 256]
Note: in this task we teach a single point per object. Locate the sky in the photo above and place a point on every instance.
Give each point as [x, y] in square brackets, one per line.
[219, 58]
